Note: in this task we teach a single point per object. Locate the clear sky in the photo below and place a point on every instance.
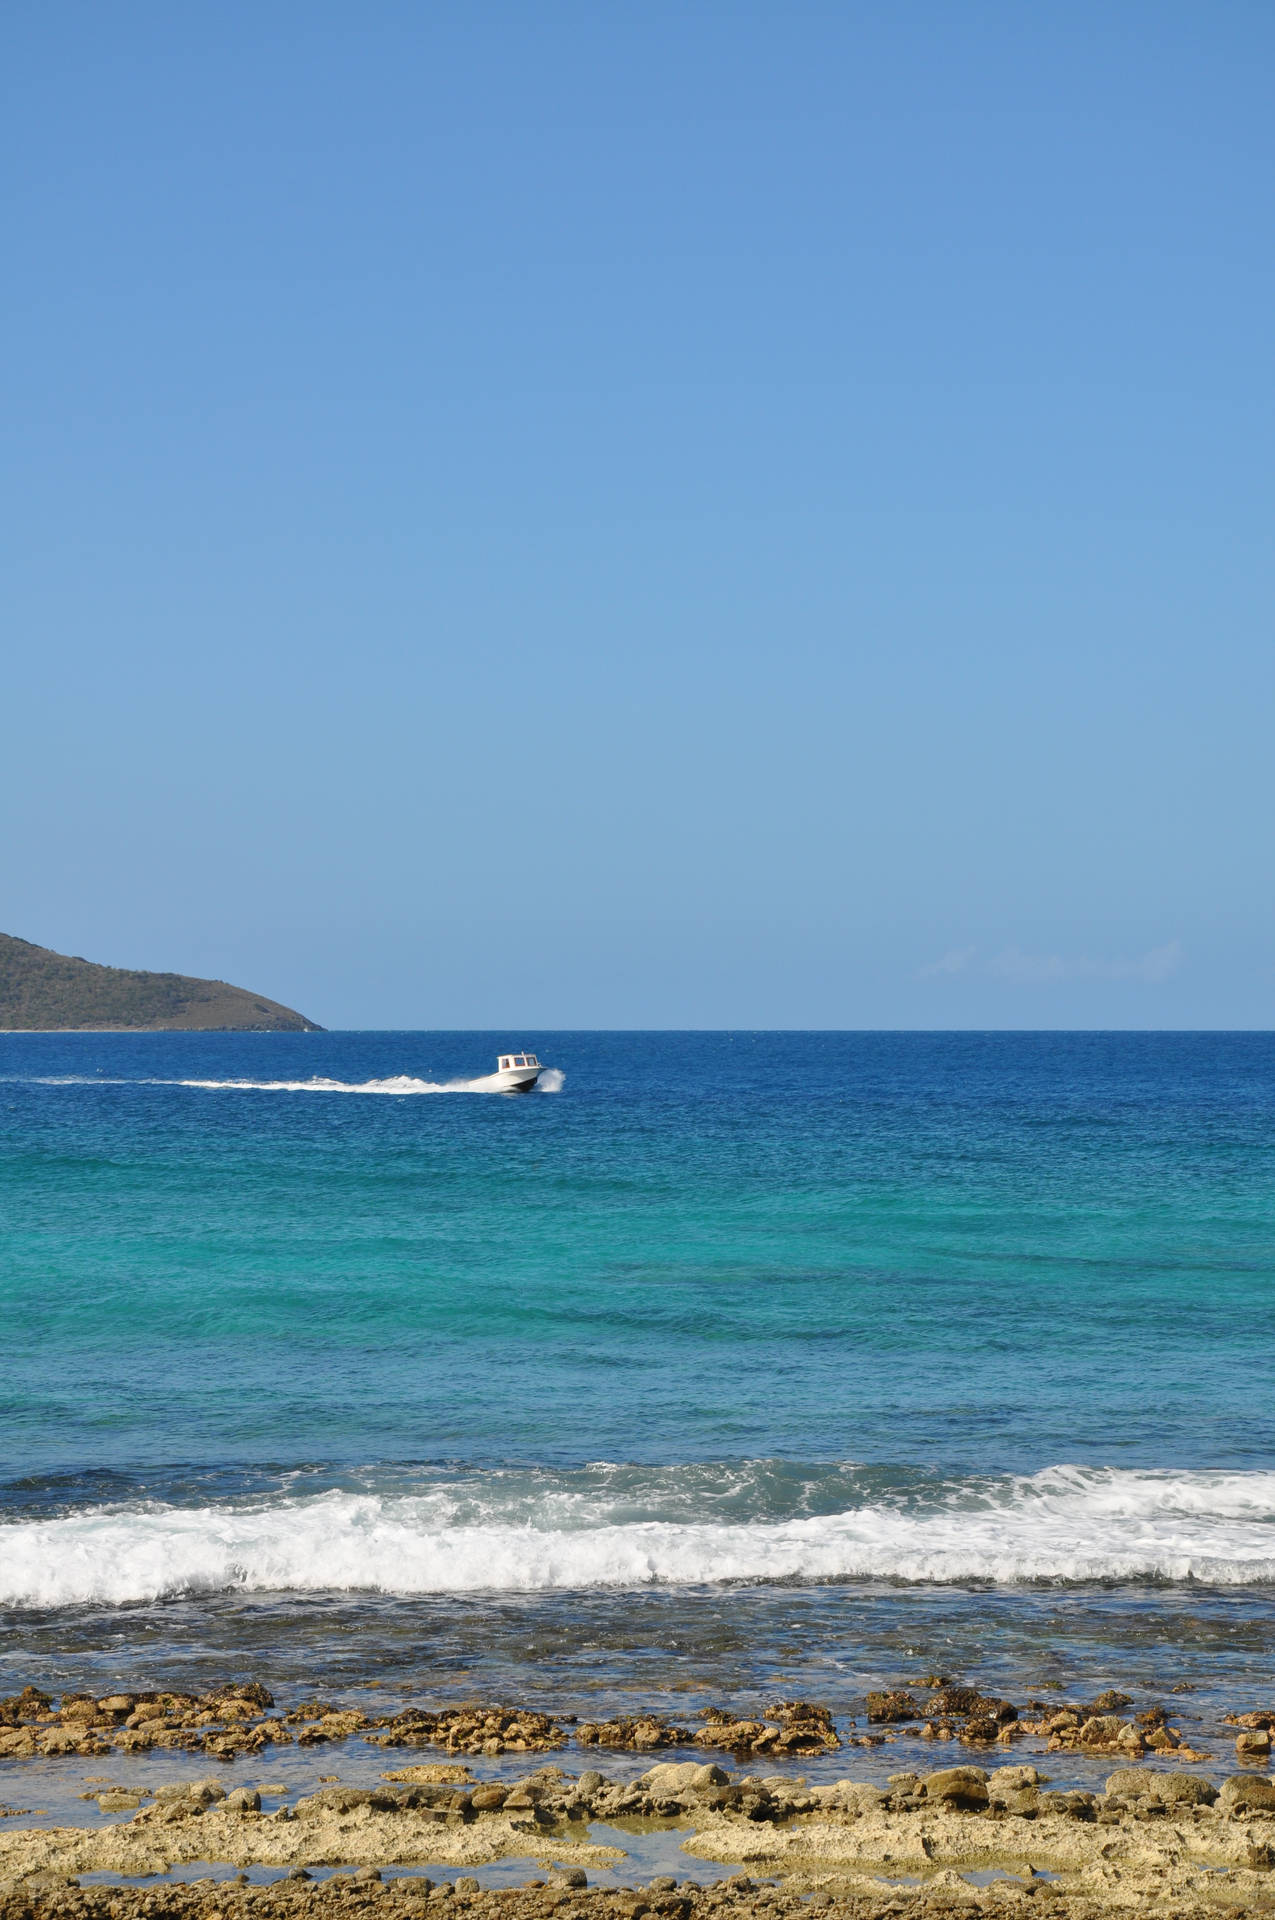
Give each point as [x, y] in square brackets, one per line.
[644, 514]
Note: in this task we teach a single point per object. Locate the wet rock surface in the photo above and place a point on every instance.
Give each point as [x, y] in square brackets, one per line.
[792, 1727]
[635, 1733]
[234, 1720]
[239, 1720]
[473, 1730]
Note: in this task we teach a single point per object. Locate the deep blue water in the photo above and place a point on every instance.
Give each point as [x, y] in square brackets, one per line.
[729, 1325]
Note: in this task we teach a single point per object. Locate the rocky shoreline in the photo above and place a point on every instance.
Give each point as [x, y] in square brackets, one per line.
[236, 1719]
[1152, 1842]
[1157, 1837]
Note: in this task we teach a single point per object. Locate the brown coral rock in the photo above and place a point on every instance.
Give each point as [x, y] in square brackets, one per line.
[637, 1733]
[474, 1730]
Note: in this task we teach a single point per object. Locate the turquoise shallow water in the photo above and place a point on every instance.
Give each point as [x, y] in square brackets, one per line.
[743, 1351]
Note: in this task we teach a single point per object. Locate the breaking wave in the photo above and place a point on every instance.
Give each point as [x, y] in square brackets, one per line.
[1066, 1524]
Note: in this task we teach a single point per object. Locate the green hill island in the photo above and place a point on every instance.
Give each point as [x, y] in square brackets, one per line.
[43, 991]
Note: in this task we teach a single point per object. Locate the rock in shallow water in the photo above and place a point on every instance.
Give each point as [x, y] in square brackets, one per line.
[1247, 1793]
[957, 1786]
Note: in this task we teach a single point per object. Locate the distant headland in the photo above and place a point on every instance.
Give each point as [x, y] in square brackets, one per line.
[43, 991]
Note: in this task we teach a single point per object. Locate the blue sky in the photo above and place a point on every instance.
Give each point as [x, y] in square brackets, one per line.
[644, 515]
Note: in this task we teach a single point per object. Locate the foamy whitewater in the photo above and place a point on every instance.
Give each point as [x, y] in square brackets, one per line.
[1066, 1524]
[757, 1352]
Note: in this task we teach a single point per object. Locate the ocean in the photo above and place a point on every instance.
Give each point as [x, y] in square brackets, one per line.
[732, 1364]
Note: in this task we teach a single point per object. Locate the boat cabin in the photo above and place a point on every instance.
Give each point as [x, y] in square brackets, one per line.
[508, 1061]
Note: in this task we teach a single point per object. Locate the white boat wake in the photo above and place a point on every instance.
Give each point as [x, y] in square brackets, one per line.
[551, 1080]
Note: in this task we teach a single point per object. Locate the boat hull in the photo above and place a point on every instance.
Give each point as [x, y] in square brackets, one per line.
[517, 1079]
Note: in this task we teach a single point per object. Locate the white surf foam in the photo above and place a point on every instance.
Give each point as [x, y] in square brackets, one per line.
[1067, 1523]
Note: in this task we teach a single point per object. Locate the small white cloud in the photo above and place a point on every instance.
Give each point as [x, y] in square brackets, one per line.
[1156, 965]
[1029, 969]
[956, 960]
[1038, 969]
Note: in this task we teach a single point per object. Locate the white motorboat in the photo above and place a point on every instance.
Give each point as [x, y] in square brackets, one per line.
[517, 1072]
